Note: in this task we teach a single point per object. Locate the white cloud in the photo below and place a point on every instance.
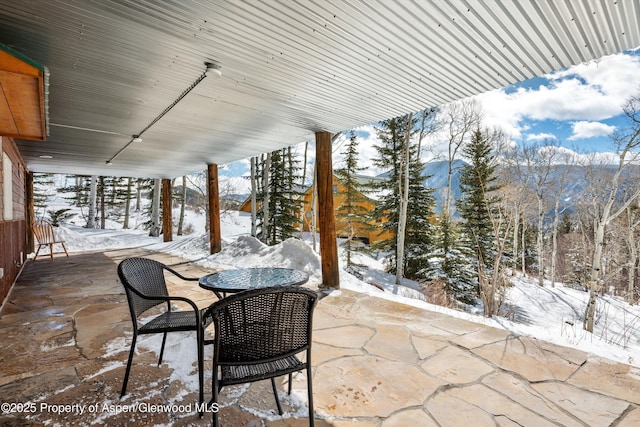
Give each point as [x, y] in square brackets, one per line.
[586, 92]
[563, 155]
[540, 136]
[584, 129]
[234, 185]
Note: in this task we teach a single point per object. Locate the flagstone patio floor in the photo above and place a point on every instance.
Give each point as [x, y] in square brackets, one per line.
[66, 332]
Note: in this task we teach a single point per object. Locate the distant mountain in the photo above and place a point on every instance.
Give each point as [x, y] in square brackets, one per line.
[575, 188]
[576, 181]
[436, 173]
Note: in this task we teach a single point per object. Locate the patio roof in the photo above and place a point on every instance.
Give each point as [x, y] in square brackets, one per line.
[289, 69]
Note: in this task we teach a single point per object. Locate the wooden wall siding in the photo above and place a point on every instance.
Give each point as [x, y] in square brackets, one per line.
[19, 172]
[13, 233]
[9, 146]
[19, 193]
[3, 143]
[30, 212]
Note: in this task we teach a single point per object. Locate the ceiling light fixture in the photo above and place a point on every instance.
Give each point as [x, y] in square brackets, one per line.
[211, 69]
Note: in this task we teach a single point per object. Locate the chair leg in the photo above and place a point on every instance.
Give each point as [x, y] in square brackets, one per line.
[214, 398]
[126, 372]
[290, 382]
[310, 397]
[37, 252]
[164, 340]
[275, 394]
[51, 251]
[200, 341]
[65, 249]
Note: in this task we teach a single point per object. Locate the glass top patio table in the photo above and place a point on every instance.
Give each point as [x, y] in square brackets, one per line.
[242, 279]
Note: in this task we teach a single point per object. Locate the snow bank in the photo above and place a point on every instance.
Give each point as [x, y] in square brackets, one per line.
[549, 313]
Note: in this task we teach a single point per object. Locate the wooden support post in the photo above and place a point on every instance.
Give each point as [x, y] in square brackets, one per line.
[30, 213]
[326, 213]
[167, 208]
[215, 239]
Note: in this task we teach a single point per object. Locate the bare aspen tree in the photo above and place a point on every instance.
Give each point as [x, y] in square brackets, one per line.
[514, 179]
[139, 194]
[540, 159]
[155, 209]
[183, 202]
[559, 184]
[303, 185]
[461, 119]
[523, 252]
[198, 182]
[265, 199]
[632, 224]
[254, 163]
[627, 141]
[314, 207]
[493, 285]
[429, 124]
[290, 175]
[403, 190]
[127, 203]
[101, 196]
[93, 197]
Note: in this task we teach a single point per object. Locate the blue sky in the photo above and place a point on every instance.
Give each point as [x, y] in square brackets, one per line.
[578, 108]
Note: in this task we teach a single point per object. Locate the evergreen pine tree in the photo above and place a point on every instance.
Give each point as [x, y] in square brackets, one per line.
[566, 224]
[147, 189]
[478, 184]
[351, 213]
[386, 211]
[418, 236]
[453, 261]
[116, 193]
[42, 185]
[77, 193]
[283, 198]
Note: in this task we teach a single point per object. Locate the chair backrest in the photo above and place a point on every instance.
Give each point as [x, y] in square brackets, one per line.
[142, 277]
[262, 324]
[44, 231]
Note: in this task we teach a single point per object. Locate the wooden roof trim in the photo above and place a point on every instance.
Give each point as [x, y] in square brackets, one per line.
[22, 96]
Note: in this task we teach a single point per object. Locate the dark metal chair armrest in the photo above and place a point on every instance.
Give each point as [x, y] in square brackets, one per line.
[172, 271]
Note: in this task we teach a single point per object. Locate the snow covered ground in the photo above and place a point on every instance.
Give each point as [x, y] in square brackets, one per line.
[549, 313]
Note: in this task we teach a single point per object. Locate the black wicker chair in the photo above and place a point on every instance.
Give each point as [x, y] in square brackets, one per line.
[145, 285]
[258, 335]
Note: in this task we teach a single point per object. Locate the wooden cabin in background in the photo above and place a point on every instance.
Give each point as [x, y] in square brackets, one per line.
[368, 233]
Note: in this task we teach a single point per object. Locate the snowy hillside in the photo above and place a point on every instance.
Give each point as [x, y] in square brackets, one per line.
[553, 314]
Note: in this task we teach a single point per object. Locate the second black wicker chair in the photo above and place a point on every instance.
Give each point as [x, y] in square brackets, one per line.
[145, 285]
[258, 335]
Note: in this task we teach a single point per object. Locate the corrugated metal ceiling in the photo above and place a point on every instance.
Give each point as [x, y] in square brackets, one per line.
[289, 68]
